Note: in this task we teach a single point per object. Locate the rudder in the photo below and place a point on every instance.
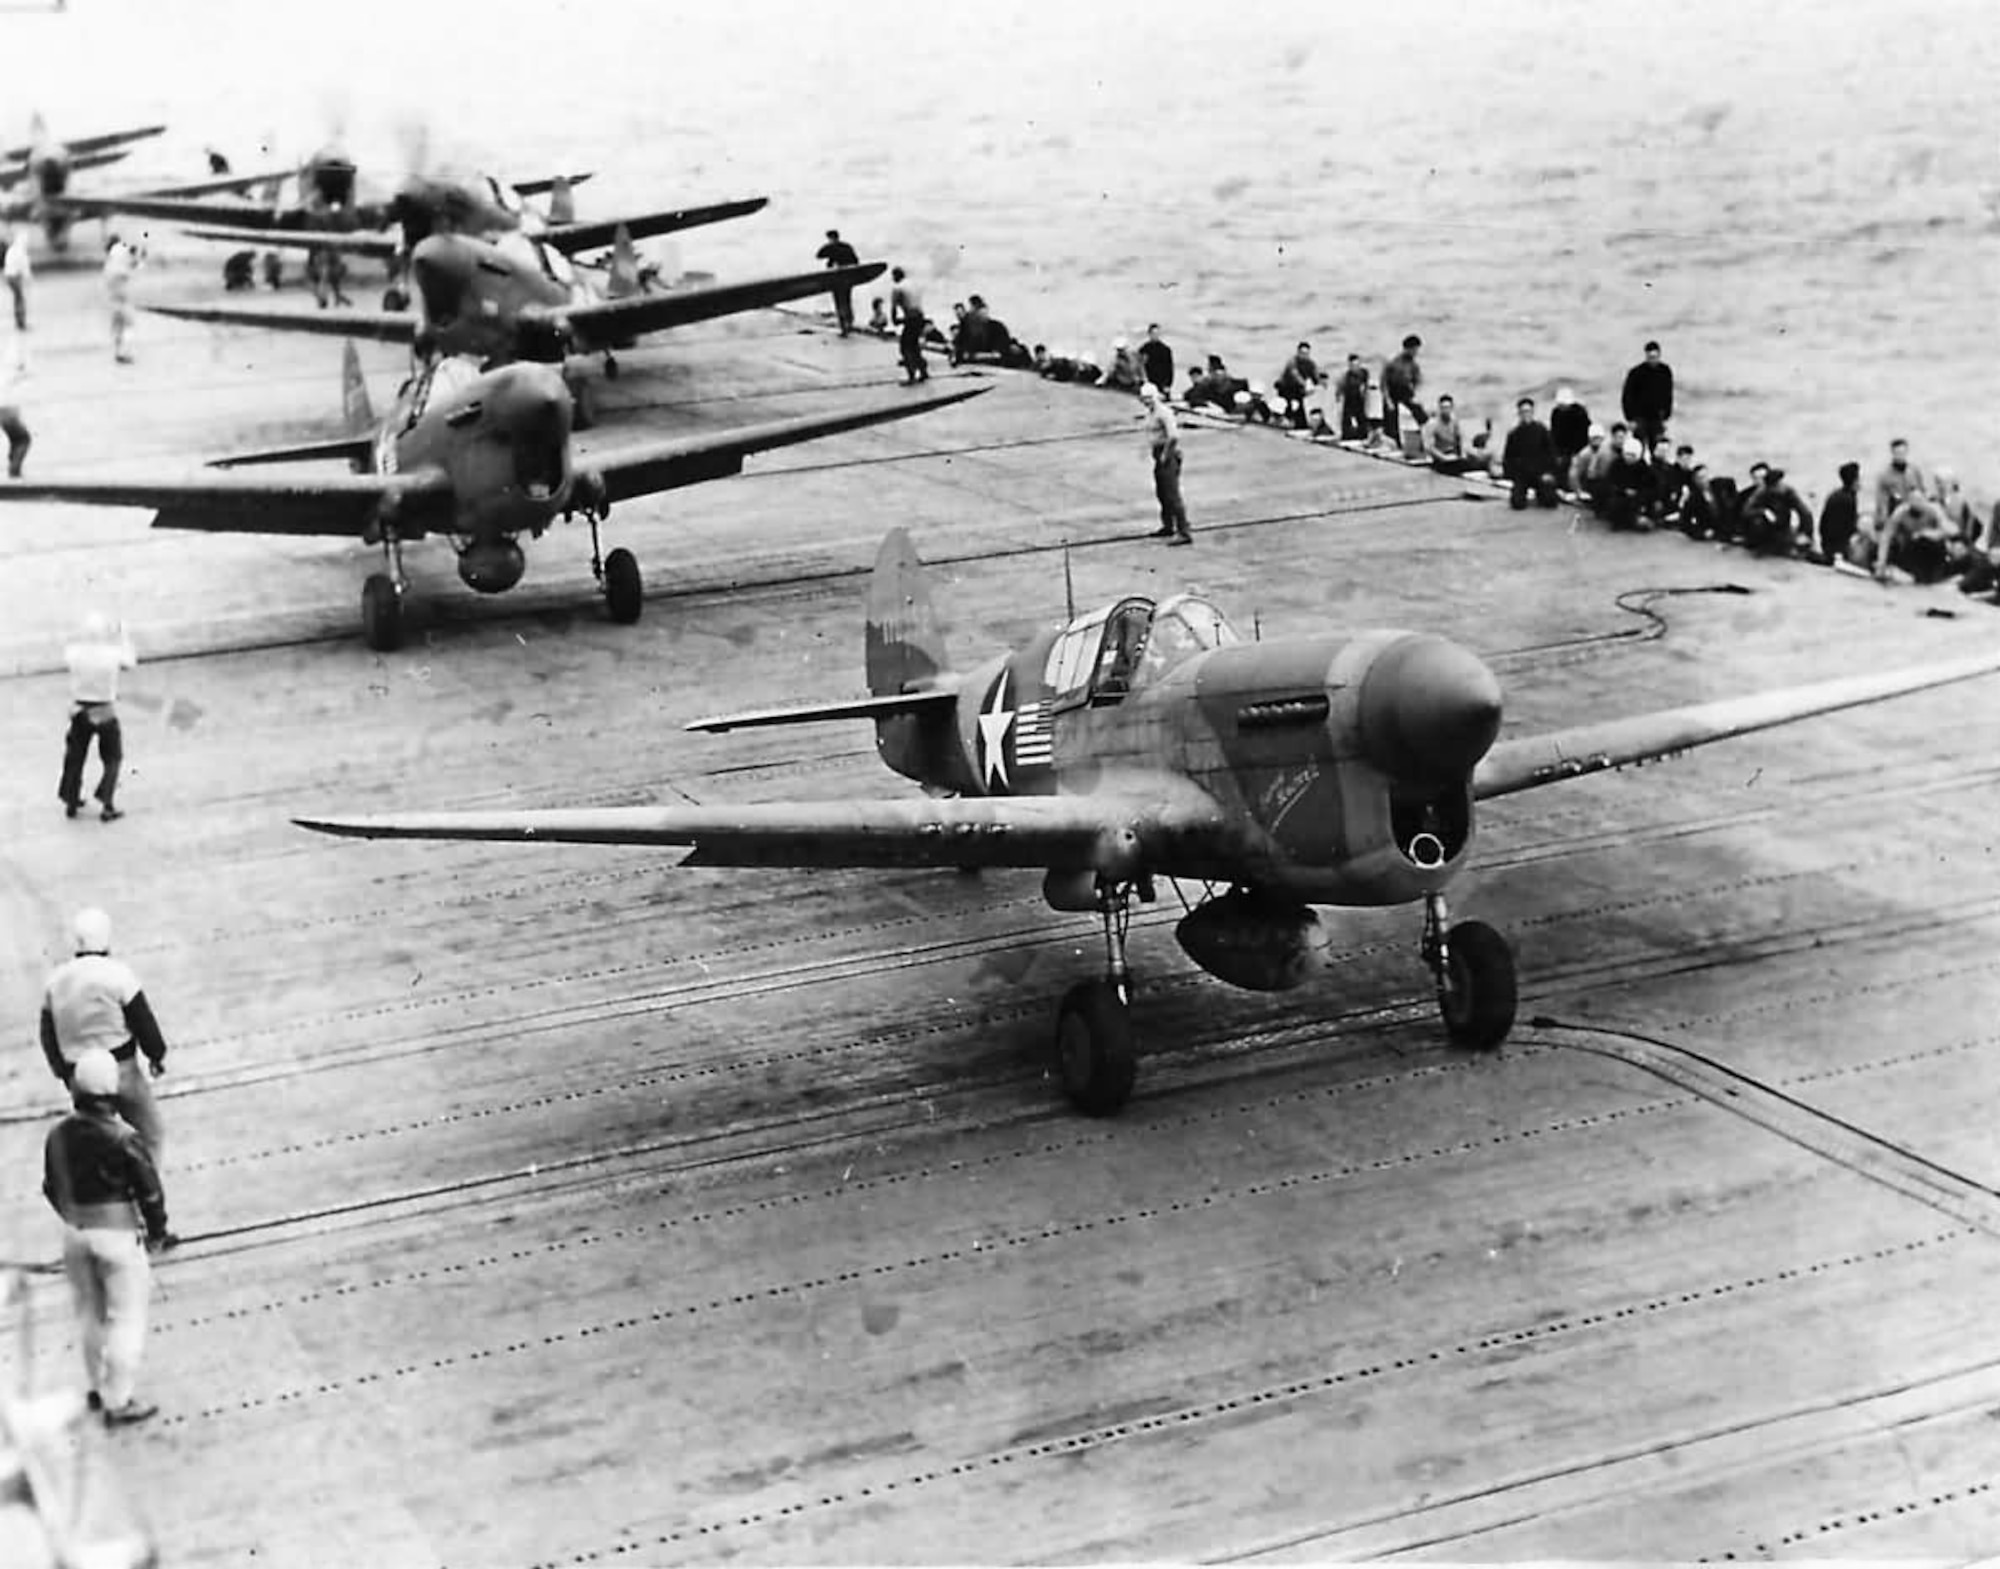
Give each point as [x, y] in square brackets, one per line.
[905, 642]
[355, 407]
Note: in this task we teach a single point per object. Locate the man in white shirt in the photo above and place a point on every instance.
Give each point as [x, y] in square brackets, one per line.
[94, 1002]
[1163, 440]
[120, 262]
[94, 661]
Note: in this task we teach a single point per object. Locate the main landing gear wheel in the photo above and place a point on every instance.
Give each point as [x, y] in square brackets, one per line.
[582, 406]
[610, 367]
[382, 613]
[1474, 970]
[1094, 1048]
[624, 593]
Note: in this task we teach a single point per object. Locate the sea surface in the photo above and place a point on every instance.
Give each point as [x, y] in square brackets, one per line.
[1800, 200]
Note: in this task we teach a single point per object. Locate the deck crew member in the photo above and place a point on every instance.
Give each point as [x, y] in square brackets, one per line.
[1648, 396]
[98, 1176]
[906, 305]
[94, 1002]
[1156, 359]
[18, 439]
[120, 262]
[838, 253]
[94, 661]
[1163, 435]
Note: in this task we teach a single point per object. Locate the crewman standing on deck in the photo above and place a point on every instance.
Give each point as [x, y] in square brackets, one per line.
[120, 262]
[1163, 435]
[906, 305]
[94, 661]
[838, 253]
[94, 1002]
[20, 274]
[98, 1176]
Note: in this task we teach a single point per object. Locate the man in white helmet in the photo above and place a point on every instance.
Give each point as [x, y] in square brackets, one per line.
[1163, 440]
[97, 1176]
[93, 1002]
[94, 661]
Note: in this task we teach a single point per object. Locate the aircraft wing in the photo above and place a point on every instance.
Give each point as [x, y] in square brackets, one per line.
[611, 324]
[1109, 831]
[647, 467]
[184, 210]
[379, 247]
[226, 502]
[1530, 761]
[16, 175]
[89, 144]
[342, 322]
[569, 238]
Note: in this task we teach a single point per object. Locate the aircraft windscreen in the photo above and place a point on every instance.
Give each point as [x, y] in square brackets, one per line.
[520, 247]
[1182, 627]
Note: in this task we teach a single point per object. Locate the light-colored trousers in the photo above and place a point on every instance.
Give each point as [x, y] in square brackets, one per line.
[109, 1280]
[137, 1106]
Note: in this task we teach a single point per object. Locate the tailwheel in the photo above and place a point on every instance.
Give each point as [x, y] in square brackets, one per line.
[582, 404]
[1094, 1048]
[624, 592]
[1474, 969]
[382, 613]
[610, 367]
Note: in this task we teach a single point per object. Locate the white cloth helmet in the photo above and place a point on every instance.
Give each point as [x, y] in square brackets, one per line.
[92, 931]
[95, 1073]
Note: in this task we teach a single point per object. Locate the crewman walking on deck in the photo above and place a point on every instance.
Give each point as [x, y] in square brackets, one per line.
[120, 262]
[16, 429]
[19, 271]
[98, 1176]
[94, 1003]
[94, 661]
[838, 253]
[1163, 435]
[906, 305]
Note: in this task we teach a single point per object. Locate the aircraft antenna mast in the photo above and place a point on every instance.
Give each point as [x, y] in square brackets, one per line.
[1069, 584]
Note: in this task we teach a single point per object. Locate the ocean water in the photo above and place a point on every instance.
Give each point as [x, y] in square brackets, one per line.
[1800, 200]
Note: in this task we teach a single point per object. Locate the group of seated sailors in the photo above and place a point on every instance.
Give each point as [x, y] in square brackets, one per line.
[1922, 528]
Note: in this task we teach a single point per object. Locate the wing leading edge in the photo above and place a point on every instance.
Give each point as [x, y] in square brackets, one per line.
[1531, 761]
[1106, 832]
[223, 501]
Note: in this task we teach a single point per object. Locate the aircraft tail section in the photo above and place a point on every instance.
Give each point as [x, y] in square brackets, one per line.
[355, 407]
[624, 276]
[562, 201]
[906, 649]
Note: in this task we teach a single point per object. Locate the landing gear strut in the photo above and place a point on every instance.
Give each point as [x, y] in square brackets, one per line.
[382, 597]
[1094, 1053]
[1474, 971]
[617, 574]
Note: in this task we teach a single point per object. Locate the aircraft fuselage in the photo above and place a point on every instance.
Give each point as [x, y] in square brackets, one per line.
[1346, 761]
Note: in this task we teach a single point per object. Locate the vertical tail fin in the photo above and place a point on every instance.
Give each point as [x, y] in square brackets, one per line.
[624, 277]
[905, 640]
[562, 203]
[355, 408]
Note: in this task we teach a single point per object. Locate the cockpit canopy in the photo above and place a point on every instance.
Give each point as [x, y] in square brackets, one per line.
[1106, 655]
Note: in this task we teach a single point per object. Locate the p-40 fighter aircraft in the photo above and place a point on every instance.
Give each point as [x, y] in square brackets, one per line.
[520, 297]
[480, 457]
[1148, 740]
[44, 165]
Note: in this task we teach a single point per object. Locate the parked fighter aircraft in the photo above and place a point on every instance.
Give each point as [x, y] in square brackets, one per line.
[481, 457]
[519, 297]
[1148, 740]
[44, 165]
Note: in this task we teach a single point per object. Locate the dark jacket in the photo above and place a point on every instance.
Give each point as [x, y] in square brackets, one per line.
[93, 1165]
[1569, 426]
[1838, 521]
[1530, 455]
[1401, 377]
[1649, 392]
[1158, 362]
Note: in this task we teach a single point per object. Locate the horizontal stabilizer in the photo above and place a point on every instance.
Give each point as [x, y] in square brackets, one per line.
[1531, 761]
[854, 708]
[543, 186]
[569, 238]
[350, 449]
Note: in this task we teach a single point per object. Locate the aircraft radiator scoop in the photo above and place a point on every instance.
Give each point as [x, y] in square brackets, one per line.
[1429, 711]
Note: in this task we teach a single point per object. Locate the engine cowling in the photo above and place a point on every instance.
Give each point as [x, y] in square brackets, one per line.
[1254, 940]
[491, 566]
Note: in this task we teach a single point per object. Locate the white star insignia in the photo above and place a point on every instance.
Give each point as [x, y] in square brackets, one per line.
[994, 723]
